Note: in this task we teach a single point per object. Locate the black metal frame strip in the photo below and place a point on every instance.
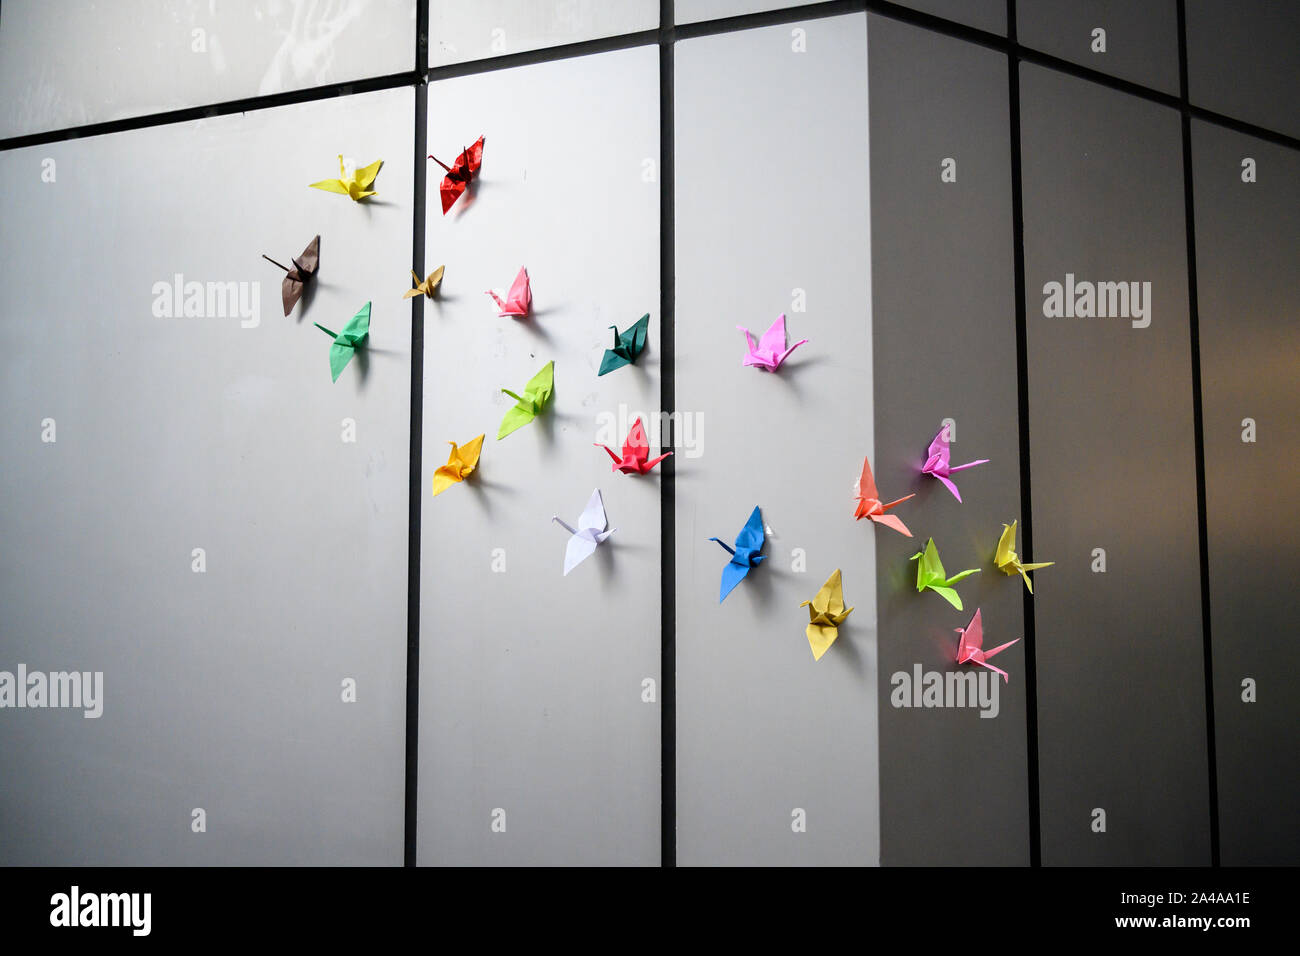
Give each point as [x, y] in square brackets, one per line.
[415, 486]
[1198, 426]
[1022, 399]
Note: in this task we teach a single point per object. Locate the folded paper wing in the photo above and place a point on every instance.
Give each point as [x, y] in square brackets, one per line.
[529, 405]
[930, 574]
[744, 556]
[519, 300]
[460, 464]
[826, 612]
[347, 341]
[589, 533]
[459, 174]
[635, 459]
[938, 462]
[428, 287]
[628, 345]
[771, 351]
[356, 185]
[1009, 562]
[970, 646]
[870, 506]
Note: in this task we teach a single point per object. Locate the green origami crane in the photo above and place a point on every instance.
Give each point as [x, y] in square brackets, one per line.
[530, 404]
[930, 574]
[348, 341]
[627, 345]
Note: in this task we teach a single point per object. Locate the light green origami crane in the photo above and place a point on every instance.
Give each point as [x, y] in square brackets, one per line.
[348, 341]
[530, 404]
[930, 574]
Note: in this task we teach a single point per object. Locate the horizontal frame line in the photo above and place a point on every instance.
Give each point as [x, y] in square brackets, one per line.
[653, 37]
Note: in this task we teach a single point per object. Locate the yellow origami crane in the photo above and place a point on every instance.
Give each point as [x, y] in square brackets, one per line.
[429, 286]
[357, 185]
[460, 463]
[827, 614]
[1007, 559]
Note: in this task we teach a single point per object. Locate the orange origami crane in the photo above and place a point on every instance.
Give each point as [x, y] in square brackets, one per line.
[870, 506]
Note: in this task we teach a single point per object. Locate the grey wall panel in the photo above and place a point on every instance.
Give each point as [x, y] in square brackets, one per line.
[1121, 694]
[692, 11]
[1246, 240]
[772, 204]
[223, 689]
[460, 31]
[531, 682]
[1241, 60]
[70, 62]
[990, 15]
[1141, 39]
[945, 347]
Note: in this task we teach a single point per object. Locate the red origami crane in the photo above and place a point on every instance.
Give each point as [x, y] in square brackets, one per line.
[460, 174]
[635, 452]
[869, 504]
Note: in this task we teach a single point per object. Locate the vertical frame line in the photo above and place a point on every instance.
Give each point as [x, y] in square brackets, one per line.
[1022, 391]
[1198, 428]
[668, 471]
[415, 484]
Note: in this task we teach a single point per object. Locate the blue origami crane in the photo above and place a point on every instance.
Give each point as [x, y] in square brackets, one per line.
[745, 556]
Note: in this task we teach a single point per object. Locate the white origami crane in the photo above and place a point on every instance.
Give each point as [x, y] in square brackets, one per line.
[589, 533]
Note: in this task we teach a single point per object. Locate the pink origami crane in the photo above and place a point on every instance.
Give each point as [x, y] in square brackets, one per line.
[970, 650]
[770, 351]
[869, 505]
[519, 299]
[938, 465]
[635, 452]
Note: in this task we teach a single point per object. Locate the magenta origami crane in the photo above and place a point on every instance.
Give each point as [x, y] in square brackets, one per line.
[970, 650]
[519, 299]
[938, 464]
[636, 451]
[770, 351]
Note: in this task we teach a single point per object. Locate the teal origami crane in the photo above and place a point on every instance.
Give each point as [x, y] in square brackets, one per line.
[530, 404]
[347, 342]
[930, 574]
[628, 344]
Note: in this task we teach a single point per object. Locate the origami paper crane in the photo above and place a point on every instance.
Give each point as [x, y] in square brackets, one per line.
[970, 649]
[348, 341]
[357, 185]
[930, 574]
[530, 404]
[635, 452]
[460, 464]
[429, 286]
[459, 174]
[937, 465]
[518, 300]
[1006, 558]
[589, 533]
[770, 351]
[628, 344]
[745, 556]
[304, 269]
[869, 505]
[827, 613]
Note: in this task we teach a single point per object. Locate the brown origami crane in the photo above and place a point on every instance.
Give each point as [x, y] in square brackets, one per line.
[304, 269]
